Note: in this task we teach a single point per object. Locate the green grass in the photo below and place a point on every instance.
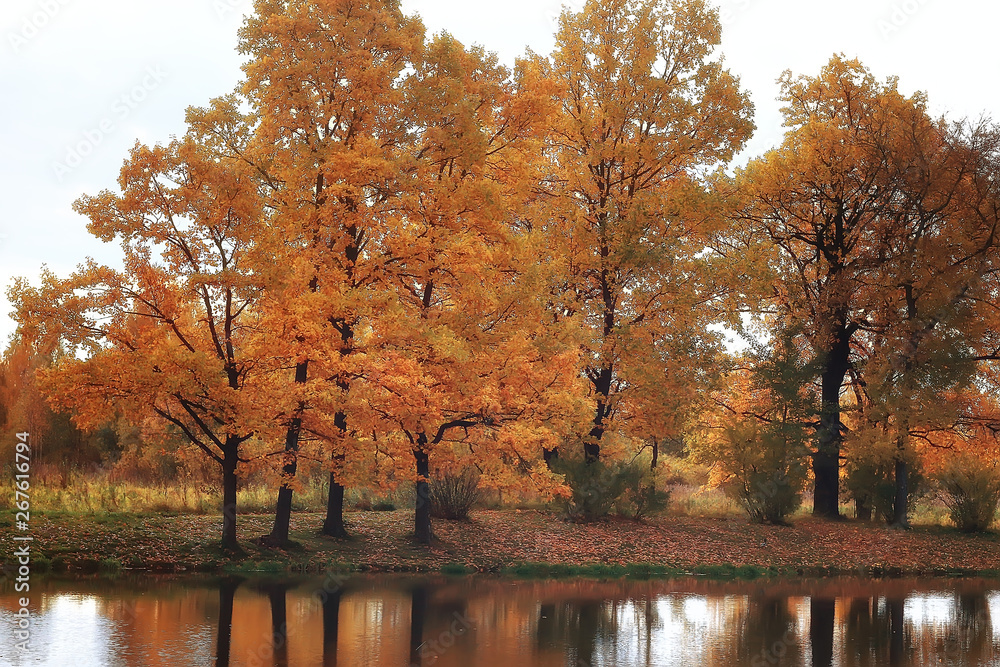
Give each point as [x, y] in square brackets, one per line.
[534, 570]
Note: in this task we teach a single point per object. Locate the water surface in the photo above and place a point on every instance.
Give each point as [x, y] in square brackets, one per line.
[384, 620]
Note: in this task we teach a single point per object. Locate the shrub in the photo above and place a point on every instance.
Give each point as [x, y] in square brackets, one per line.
[641, 494]
[971, 492]
[764, 469]
[454, 494]
[597, 488]
[871, 484]
[759, 444]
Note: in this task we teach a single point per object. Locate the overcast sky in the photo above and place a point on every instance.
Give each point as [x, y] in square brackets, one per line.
[83, 79]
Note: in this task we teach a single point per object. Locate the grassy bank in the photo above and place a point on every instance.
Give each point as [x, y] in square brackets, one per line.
[517, 542]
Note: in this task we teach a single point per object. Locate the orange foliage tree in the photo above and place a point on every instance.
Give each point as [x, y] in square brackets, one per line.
[325, 83]
[644, 111]
[175, 333]
[470, 350]
[829, 202]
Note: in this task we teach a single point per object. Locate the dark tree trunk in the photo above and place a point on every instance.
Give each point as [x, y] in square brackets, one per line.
[862, 509]
[550, 456]
[422, 512]
[826, 461]
[333, 525]
[900, 504]
[229, 461]
[227, 593]
[821, 624]
[602, 389]
[283, 509]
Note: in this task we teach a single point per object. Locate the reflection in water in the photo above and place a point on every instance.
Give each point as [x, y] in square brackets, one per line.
[821, 623]
[276, 592]
[418, 614]
[331, 613]
[227, 593]
[385, 620]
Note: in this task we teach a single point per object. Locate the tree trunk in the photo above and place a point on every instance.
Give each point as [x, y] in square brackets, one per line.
[422, 513]
[333, 525]
[862, 509]
[900, 504]
[826, 460]
[550, 456]
[230, 459]
[283, 509]
[602, 388]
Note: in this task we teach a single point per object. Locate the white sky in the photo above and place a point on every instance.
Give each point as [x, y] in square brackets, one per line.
[99, 74]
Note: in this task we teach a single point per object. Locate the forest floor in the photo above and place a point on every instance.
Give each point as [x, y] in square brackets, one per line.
[519, 542]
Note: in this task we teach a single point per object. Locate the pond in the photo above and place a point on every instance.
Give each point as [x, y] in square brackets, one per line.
[388, 620]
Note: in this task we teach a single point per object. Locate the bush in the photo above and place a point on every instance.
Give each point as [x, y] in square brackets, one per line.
[764, 469]
[759, 445]
[871, 484]
[454, 494]
[766, 496]
[597, 488]
[640, 495]
[971, 492]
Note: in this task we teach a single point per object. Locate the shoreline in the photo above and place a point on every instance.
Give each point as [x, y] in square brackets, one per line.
[509, 542]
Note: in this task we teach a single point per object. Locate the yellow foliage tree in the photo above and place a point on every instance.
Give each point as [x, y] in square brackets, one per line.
[644, 113]
[175, 333]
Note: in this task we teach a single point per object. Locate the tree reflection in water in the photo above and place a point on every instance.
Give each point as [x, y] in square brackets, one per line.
[227, 593]
[485, 622]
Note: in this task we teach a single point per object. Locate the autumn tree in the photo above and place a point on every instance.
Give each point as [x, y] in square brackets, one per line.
[855, 203]
[324, 79]
[470, 351]
[174, 333]
[645, 111]
[916, 348]
[55, 440]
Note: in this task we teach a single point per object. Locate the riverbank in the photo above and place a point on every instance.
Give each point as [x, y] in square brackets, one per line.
[519, 542]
